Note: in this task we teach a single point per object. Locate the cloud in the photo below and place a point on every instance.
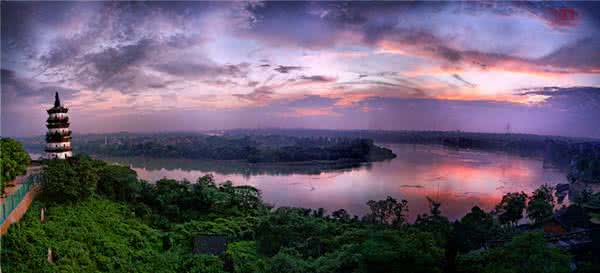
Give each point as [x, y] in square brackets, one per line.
[398, 28]
[286, 69]
[317, 78]
[311, 112]
[100, 45]
[460, 79]
[114, 66]
[259, 95]
[580, 99]
[582, 55]
[344, 62]
[203, 70]
[15, 88]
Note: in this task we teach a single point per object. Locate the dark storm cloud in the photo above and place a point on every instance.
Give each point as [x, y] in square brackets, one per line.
[114, 65]
[97, 45]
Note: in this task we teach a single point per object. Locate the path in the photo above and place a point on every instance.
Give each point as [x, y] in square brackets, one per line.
[18, 198]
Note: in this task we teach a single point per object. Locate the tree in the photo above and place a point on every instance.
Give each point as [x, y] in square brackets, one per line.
[290, 228]
[319, 213]
[585, 169]
[341, 215]
[287, 261]
[13, 161]
[582, 197]
[391, 251]
[474, 229]
[117, 182]
[247, 197]
[388, 211]
[69, 180]
[527, 252]
[434, 222]
[541, 204]
[244, 257]
[510, 209]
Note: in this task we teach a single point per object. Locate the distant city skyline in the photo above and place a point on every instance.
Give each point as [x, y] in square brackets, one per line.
[525, 67]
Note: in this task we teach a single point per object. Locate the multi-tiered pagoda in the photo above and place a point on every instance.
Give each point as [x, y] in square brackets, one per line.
[58, 138]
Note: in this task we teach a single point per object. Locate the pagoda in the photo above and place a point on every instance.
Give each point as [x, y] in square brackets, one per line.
[58, 138]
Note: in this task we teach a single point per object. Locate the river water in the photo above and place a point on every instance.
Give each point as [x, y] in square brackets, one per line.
[459, 179]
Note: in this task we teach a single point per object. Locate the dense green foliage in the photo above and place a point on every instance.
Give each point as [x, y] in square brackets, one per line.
[128, 225]
[475, 228]
[585, 169]
[525, 253]
[13, 161]
[250, 149]
[388, 211]
[555, 149]
[510, 209]
[69, 180]
[541, 204]
[90, 236]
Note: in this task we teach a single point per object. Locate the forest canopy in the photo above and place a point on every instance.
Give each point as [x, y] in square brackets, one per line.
[13, 161]
[114, 222]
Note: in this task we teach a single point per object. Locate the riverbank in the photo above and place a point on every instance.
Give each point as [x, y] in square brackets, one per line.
[144, 233]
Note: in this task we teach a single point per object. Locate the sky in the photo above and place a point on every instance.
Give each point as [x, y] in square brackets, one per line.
[527, 67]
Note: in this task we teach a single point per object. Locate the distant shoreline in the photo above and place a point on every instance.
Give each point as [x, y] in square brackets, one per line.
[557, 150]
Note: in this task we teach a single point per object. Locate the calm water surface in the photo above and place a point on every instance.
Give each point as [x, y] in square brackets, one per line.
[460, 179]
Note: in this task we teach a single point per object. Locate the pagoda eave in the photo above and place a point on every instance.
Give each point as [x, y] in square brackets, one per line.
[58, 125]
[58, 139]
[58, 120]
[58, 149]
[55, 110]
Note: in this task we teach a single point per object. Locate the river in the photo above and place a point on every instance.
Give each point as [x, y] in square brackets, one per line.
[459, 179]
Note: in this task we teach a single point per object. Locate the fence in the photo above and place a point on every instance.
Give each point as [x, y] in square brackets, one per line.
[13, 200]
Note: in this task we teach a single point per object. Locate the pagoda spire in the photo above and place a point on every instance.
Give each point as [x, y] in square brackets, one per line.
[56, 100]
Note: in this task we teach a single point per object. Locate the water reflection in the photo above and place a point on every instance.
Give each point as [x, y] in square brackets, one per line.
[460, 179]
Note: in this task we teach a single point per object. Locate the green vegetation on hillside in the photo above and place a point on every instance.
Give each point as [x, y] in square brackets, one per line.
[13, 161]
[585, 169]
[127, 225]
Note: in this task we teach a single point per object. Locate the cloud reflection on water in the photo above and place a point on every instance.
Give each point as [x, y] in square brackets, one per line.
[459, 179]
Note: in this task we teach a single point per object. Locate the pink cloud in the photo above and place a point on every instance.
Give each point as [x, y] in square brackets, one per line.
[311, 112]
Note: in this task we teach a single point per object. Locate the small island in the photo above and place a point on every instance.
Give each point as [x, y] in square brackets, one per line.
[270, 149]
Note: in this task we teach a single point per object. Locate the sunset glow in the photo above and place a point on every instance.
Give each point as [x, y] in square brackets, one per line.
[280, 64]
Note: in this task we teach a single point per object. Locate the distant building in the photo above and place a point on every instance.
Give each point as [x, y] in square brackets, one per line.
[570, 219]
[210, 244]
[58, 138]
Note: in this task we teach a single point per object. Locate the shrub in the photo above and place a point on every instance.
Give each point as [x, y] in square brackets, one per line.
[69, 180]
